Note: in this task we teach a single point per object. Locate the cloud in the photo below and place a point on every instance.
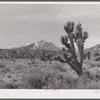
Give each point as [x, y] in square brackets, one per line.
[85, 14]
[53, 16]
[23, 17]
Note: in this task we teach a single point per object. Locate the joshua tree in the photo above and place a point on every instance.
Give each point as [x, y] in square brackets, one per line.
[46, 56]
[31, 55]
[50, 57]
[75, 35]
[12, 55]
[43, 56]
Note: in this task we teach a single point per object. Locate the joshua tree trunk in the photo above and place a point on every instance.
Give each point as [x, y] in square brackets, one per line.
[79, 70]
[77, 67]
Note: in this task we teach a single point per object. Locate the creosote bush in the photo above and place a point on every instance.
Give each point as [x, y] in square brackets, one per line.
[10, 85]
[57, 66]
[34, 80]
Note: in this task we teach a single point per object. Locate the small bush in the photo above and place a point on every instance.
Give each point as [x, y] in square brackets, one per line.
[10, 85]
[97, 58]
[85, 82]
[19, 67]
[34, 80]
[59, 67]
[6, 70]
[39, 79]
[2, 65]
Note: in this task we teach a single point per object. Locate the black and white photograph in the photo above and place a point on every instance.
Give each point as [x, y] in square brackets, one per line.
[50, 46]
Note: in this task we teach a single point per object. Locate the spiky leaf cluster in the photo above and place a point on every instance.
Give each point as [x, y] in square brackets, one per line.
[85, 35]
[69, 27]
[79, 34]
[64, 41]
[78, 31]
[73, 33]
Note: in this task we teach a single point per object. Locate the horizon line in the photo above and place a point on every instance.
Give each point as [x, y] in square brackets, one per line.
[45, 41]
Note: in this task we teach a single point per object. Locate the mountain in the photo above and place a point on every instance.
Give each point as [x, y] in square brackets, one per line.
[44, 45]
[40, 45]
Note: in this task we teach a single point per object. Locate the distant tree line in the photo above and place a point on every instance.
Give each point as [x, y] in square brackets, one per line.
[43, 55]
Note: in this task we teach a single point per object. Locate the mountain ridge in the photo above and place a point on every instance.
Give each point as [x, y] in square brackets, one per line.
[93, 50]
[40, 45]
[49, 46]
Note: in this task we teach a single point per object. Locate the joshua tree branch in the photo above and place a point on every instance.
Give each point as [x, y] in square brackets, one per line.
[80, 46]
[72, 47]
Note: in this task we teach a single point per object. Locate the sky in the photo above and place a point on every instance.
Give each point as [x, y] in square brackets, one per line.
[22, 24]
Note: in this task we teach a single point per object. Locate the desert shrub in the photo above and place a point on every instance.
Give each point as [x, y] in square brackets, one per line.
[48, 79]
[85, 82]
[6, 70]
[57, 66]
[38, 79]
[35, 82]
[2, 65]
[87, 55]
[9, 76]
[97, 58]
[91, 73]
[98, 74]
[54, 80]
[61, 80]
[98, 84]
[10, 85]
[35, 79]
[19, 67]
[86, 85]
[91, 64]
[69, 79]
[29, 63]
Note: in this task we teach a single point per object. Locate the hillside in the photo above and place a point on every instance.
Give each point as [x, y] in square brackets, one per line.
[94, 51]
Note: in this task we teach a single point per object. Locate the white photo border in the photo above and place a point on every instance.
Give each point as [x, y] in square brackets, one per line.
[49, 93]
